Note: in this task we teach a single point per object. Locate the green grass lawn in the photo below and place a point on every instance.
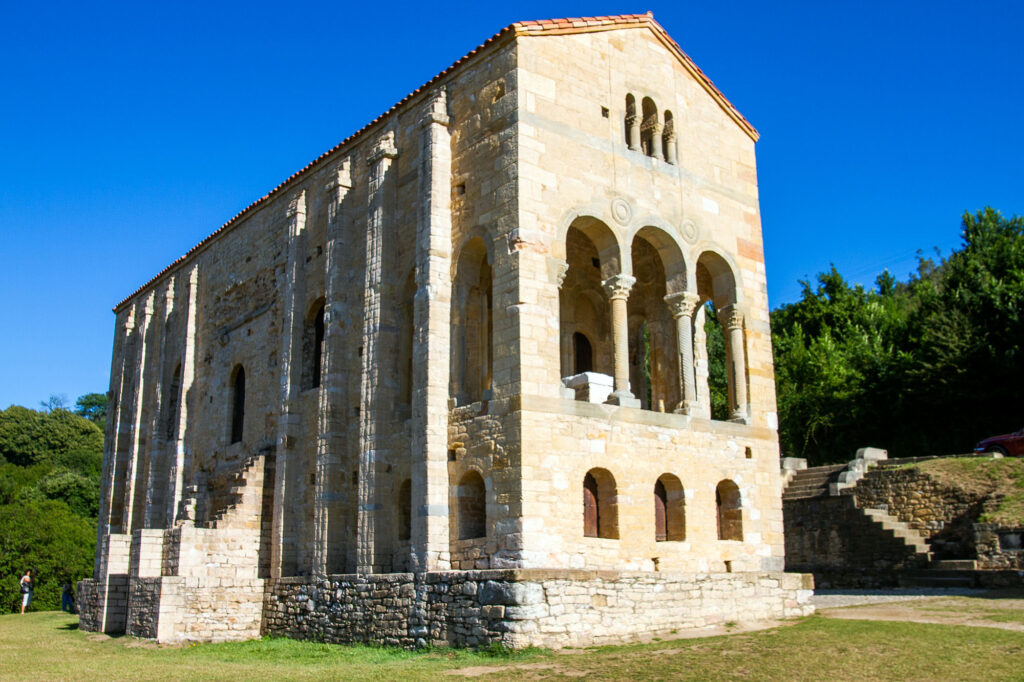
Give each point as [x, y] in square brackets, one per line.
[49, 646]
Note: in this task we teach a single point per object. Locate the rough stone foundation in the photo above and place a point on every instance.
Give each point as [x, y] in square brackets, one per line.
[551, 608]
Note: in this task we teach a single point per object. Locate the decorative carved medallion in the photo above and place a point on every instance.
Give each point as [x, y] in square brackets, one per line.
[689, 231]
[622, 212]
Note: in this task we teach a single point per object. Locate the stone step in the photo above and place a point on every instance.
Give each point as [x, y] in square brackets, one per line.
[954, 565]
[930, 578]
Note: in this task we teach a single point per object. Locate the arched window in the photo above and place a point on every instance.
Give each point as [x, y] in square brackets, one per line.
[600, 505]
[632, 124]
[313, 346]
[649, 141]
[582, 353]
[405, 510]
[730, 511]
[669, 509]
[237, 404]
[471, 506]
[472, 350]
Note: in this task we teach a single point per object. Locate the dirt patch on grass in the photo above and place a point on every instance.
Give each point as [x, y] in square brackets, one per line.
[990, 610]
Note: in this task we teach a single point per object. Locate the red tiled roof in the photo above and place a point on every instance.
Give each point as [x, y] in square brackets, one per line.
[519, 28]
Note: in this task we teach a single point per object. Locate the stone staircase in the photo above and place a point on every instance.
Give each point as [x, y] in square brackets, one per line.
[244, 502]
[910, 536]
[812, 482]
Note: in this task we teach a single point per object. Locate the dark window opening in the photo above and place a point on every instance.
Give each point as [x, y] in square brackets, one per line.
[583, 353]
[238, 405]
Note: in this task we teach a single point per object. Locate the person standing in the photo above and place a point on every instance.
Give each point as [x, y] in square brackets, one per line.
[67, 597]
[26, 590]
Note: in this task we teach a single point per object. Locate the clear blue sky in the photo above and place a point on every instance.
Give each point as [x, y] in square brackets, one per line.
[130, 131]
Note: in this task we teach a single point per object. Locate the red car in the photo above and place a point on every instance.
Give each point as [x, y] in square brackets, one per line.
[1011, 444]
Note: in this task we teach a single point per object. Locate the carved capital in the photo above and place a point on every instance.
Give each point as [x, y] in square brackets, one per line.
[618, 286]
[682, 304]
[631, 120]
[436, 110]
[384, 148]
[731, 317]
[561, 270]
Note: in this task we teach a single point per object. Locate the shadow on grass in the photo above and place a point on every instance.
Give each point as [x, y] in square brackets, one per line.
[68, 626]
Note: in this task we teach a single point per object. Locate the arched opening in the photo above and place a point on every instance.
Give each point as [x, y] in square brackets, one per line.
[654, 372]
[237, 403]
[405, 510]
[730, 511]
[669, 509]
[592, 255]
[471, 507]
[649, 128]
[600, 505]
[718, 341]
[313, 345]
[668, 138]
[583, 353]
[632, 124]
[472, 326]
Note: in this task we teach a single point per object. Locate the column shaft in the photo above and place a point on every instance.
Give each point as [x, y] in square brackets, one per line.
[682, 307]
[617, 288]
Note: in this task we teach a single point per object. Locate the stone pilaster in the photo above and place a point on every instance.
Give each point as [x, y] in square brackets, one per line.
[683, 306]
[135, 482]
[617, 288]
[115, 413]
[731, 318]
[371, 418]
[431, 346]
[156, 452]
[189, 363]
[289, 417]
[331, 498]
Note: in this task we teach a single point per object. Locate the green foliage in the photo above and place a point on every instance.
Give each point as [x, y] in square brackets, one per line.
[29, 437]
[49, 500]
[927, 366]
[718, 379]
[93, 406]
[49, 538]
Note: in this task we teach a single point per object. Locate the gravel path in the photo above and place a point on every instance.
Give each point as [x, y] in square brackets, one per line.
[826, 599]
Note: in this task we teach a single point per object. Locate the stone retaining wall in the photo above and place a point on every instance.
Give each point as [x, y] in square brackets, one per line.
[552, 608]
[945, 515]
[831, 538]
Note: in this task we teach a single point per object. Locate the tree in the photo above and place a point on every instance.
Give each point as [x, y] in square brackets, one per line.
[29, 437]
[54, 402]
[93, 406]
[927, 366]
[49, 538]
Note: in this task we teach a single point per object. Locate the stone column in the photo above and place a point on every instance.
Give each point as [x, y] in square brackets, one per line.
[682, 306]
[732, 321]
[617, 288]
[656, 141]
[432, 342]
[670, 148]
[282, 555]
[331, 493]
[189, 362]
[134, 475]
[372, 426]
[633, 132]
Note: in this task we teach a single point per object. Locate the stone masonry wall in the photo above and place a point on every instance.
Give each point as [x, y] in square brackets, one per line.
[943, 514]
[831, 538]
[522, 607]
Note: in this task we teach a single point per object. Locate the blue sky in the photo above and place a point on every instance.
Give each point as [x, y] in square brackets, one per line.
[129, 132]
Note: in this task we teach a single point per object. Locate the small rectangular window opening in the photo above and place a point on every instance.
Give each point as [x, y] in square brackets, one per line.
[605, 112]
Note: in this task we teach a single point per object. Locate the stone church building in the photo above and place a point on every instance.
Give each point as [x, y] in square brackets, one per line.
[449, 383]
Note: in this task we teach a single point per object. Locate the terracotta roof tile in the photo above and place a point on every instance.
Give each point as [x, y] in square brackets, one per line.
[534, 27]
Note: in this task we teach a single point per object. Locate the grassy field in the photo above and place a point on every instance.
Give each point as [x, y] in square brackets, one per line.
[49, 646]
